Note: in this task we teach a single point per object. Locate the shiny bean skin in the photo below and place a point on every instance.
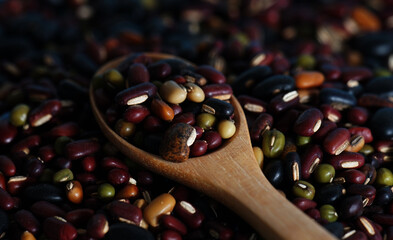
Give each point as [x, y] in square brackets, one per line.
[357, 115]
[347, 160]
[59, 229]
[27, 221]
[79, 217]
[136, 94]
[125, 212]
[336, 141]
[161, 205]
[6, 200]
[118, 176]
[330, 113]
[273, 85]
[262, 123]
[190, 215]
[356, 143]
[44, 112]
[81, 148]
[172, 223]
[308, 122]
[339, 98]
[211, 74]
[136, 113]
[220, 91]
[7, 166]
[172, 92]
[273, 142]
[292, 166]
[8, 131]
[97, 226]
[309, 79]
[310, 160]
[137, 73]
[252, 104]
[45, 209]
[245, 82]
[363, 131]
[194, 93]
[162, 110]
[74, 192]
[213, 139]
[217, 107]
[283, 102]
[198, 148]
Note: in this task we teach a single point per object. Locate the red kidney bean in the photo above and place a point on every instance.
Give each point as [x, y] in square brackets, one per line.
[191, 216]
[326, 127]
[25, 145]
[86, 178]
[384, 146]
[358, 74]
[350, 206]
[369, 100]
[7, 166]
[69, 129]
[252, 104]
[108, 163]
[198, 148]
[136, 94]
[44, 112]
[218, 231]
[180, 193]
[211, 74]
[370, 173]
[137, 73]
[188, 118]
[366, 191]
[81, 148]
[213, 139]
[172, 223]
[79, 217]
[368, 227]
[179, 79]
[261, 124]
[330, 113]
[357, 115]
[2, 181]
[220, 91]
[330, 71]
[125, 212]
[308, 122]
[97, 226]
[58, 229]
[46, 153]
[363, 131]
[63, 162]
[199, 132]
[159, 70]
[313, 213]
[353, 176]
[136, 113]
[152, 124]
[34, 167]
[177, 109]
[170, 235]
[304, 204]
[336, 141]
[145, 178]
[8, 132]
[283, 102]
[347, 160]
[310, 160]
[118, 176]
[27, 221]
[383, 218]
[16, 183]
[89, 163]
[6, 201]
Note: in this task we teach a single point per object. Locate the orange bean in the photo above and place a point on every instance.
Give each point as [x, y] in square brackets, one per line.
[309, 79]
[365, 19]
[74, 192]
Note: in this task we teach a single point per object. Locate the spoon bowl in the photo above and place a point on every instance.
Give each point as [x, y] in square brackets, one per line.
[230, 175]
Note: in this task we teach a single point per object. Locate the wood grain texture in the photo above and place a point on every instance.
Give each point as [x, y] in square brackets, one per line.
[230, 175]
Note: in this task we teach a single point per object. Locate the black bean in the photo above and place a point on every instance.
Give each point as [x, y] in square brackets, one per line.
[124, 231]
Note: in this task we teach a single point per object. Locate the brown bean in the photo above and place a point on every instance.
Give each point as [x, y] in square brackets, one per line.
[74, 191]
[161, 109]
[309, 79]
[159, 206]
[128, 191]
[355, 143]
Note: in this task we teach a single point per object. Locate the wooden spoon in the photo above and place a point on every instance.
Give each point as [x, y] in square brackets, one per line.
[230, 175]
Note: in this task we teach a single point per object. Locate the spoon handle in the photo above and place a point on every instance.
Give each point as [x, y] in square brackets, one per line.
[247, 192]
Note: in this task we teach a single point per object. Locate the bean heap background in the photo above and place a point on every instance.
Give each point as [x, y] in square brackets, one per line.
[49, 51]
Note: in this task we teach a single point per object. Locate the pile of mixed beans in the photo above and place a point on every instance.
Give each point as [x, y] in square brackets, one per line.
[315, 80]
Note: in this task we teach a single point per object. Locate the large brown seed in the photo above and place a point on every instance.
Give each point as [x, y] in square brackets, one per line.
[136, 94]
[161, 205]
[172, 92]
[174, 146]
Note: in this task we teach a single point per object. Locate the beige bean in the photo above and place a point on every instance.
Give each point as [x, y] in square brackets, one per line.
[194, 93]
[172, 92]
[161, 205]
[226, 128]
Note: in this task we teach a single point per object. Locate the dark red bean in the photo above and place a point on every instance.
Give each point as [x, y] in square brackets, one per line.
[261, 124]
[336, 141]
[172, 223]
[58, 229]
[27, 144]
[330, 113]
[8, 132]
[69, 129]
[137, 73]
[353, 176]
[330, 71]
[326, 127]
[190, 215]
[44, 209]
[126, 212]
[145, 178]
[220, 91]
[81, 148]
[211, 74]
[2, 181]
[383, 218]
[218, 231]
[283, 102]
[176, 108]
[44, 112]
[199, 132]
[358, 74]
[46, 153]
[136, 113]
[97, 226]
[357, 115]
[27, 221]
[159, 70]
[7, 166]
[136, 94]
[366, 191]
[213, 139]
[310, 160]
[16, 183]
[351, 206]
[187, 117]
[118, 176]
[152, 124]
[347, 160]
[198, 148]
[370, 173]
[252, 104]
[79, 217]
[313, 213]
[384, 146]
[34, 167]
[108, 163]
[368, 227]
[363, 131]
[170, 235]
[304, 204]
[86, 178]
[89, 163]
[6, 201]
[308, 122]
